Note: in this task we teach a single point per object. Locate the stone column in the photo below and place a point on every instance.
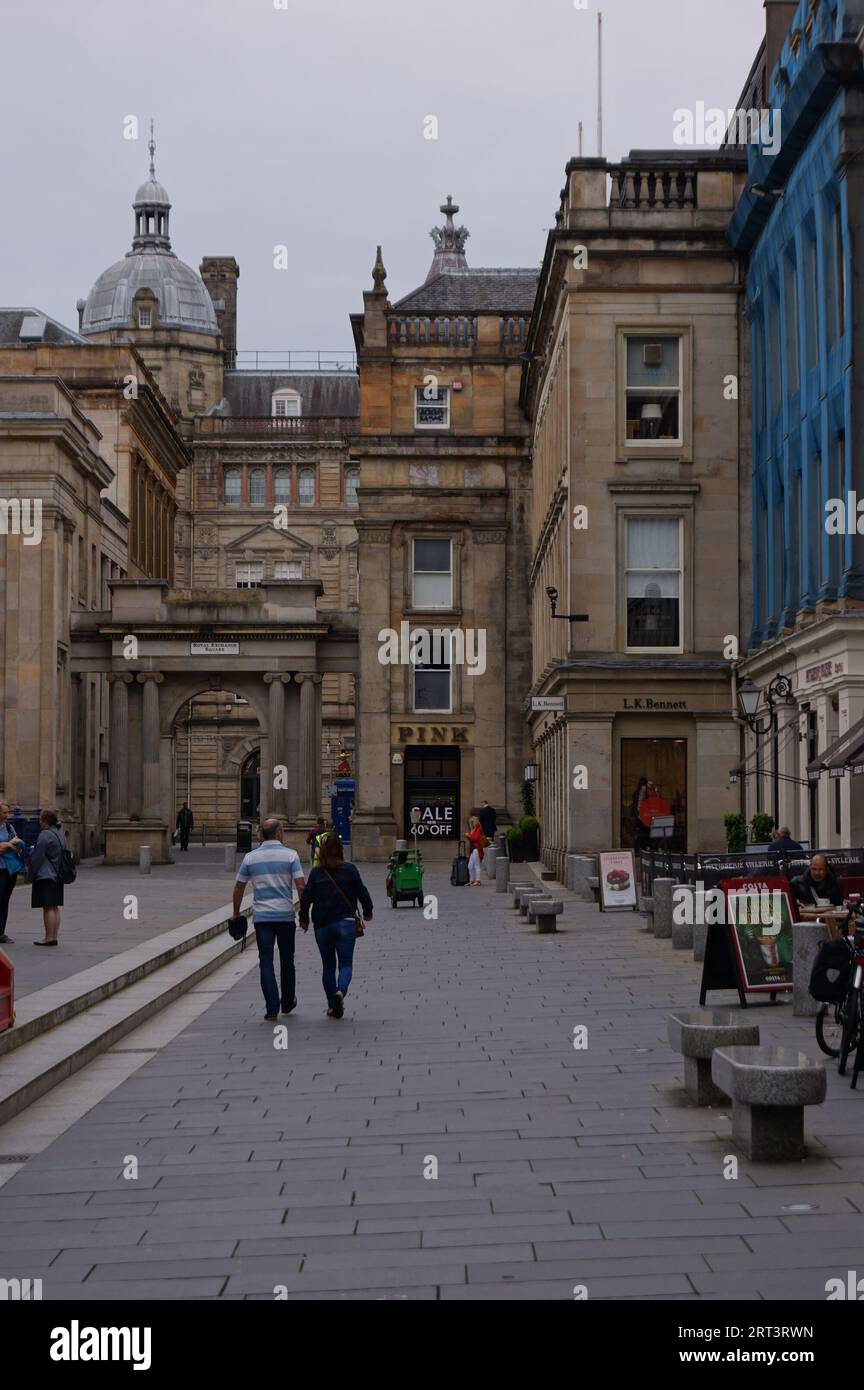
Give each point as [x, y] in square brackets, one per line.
[310, 745]
[150, 743]
[118, 752]
[277, 796]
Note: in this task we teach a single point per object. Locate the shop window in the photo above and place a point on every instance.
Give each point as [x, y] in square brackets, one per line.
[233, 490]
[653, 390]
[653, 793]
[249, 576]
[282, 485]
[433, 574]
[306, 487]
[257, 486]
[432, 407]
[654, 583]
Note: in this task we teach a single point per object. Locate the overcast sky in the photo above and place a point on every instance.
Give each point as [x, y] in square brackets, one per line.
[304, 126]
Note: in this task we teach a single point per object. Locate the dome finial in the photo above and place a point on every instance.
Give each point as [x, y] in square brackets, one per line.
[152, 148]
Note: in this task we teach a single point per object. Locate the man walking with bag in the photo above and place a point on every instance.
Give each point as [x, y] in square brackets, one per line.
[273, 870]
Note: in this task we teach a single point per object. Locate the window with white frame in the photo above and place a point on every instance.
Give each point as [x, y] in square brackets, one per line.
[306, 487]
[433, 684]
[233, 490]
[653, 577]
[145, 318]
[286, 403]
[433, 574]
[249, 574]
[653, 390]
[289, 569]
[432, 407]
[352, 482]
[257, 486]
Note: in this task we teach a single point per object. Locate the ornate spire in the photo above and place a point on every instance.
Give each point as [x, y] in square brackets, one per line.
[152, 206]
[379, 274]
[449, 243]
[152, 148]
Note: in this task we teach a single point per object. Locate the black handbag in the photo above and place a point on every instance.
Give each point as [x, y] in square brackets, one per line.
[237, 929]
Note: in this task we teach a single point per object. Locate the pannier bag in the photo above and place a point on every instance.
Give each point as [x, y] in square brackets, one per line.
[829, 979]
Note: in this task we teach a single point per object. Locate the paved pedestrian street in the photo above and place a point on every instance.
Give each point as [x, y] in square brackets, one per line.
[444, 1141]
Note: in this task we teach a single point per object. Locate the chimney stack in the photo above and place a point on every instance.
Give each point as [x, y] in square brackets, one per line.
[220, 274]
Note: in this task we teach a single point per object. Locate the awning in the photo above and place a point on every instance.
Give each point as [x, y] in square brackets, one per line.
[742, 770]
[845, 751]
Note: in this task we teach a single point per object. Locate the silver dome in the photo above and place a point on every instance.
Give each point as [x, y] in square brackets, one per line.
[152, 192]
[181, 295]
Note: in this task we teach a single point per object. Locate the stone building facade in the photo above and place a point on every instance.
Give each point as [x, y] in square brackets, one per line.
[444, 493]
[638, 432]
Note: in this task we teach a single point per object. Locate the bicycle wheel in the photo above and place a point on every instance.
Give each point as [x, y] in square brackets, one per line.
[851, 1027]
[829, 1028]
[859, 1059]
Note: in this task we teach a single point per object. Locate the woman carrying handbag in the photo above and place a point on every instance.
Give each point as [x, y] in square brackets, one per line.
[11, 865]
[333, 891]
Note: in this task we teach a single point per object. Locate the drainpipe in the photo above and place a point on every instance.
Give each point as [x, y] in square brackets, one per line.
[189, 756]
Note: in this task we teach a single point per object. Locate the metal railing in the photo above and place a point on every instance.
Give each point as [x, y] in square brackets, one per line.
[293, 360]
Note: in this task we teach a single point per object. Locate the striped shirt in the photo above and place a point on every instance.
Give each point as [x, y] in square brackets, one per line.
[271, 869]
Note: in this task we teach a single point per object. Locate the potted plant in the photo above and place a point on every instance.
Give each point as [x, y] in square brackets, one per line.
[736, 832]
[530, 828]
[760, 829]
[513, 837]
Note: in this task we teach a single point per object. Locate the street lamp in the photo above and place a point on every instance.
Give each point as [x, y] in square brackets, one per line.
[532, 772]
[749, 697]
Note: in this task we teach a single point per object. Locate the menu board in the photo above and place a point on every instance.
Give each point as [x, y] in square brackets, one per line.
[759, 919]
[617, 881]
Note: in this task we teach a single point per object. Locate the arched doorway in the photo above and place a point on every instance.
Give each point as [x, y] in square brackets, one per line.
[250, 786]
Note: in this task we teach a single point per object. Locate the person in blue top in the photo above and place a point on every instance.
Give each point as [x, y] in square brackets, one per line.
[274, 871]
[331, 895]
[11, 864]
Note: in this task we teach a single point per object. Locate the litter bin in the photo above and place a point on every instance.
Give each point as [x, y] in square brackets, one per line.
[244, 836]
[7, 992]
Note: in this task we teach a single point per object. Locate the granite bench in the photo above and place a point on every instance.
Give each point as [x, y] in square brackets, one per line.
[769, 1087]
[696, 1034]
[529, 896]
[544, 913]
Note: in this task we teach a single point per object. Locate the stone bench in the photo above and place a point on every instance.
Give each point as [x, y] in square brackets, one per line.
[696, 1034]
[769, 1087]
[529, 896]
[544, 913]
[517, 889]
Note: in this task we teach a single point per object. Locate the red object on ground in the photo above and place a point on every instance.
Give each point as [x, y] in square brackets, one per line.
[653, 806]
[7, 992]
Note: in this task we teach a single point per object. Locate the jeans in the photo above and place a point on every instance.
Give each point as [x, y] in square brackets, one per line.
[474, 866]
[336, 944]
[7, 883]
[267, 934]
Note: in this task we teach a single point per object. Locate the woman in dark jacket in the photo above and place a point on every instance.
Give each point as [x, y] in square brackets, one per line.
[44, 870]
[332, 892]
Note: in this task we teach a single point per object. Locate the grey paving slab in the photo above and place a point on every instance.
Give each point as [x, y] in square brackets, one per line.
[305, 1167]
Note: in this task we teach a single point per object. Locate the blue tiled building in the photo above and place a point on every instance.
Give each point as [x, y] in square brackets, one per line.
[800, 231]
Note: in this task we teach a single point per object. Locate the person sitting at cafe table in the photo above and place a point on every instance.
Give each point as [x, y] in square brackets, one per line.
[817, 886]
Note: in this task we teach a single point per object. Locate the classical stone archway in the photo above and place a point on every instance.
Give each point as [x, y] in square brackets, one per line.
[160, 649]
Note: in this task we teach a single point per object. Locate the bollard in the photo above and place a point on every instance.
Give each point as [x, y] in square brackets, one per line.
[502, 873]
[807, 937]
[143, 859]
[663, 888]
[578, 869]
[700, 940]
[230, 859]
[682, 933]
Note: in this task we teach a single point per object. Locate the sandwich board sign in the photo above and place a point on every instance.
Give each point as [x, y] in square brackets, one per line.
[617, 881]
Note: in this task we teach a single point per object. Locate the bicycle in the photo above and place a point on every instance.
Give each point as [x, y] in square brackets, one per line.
[839, 1026]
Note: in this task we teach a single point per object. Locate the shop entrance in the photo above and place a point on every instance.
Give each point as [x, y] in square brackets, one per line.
[432, 786]
[653, 785]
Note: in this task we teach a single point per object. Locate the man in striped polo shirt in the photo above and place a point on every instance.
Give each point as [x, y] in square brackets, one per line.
[273, 870]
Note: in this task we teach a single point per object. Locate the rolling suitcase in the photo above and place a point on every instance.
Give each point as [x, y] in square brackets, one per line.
[459, 872]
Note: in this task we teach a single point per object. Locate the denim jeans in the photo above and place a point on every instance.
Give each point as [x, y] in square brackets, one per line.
[336, 944]
[267, 936]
